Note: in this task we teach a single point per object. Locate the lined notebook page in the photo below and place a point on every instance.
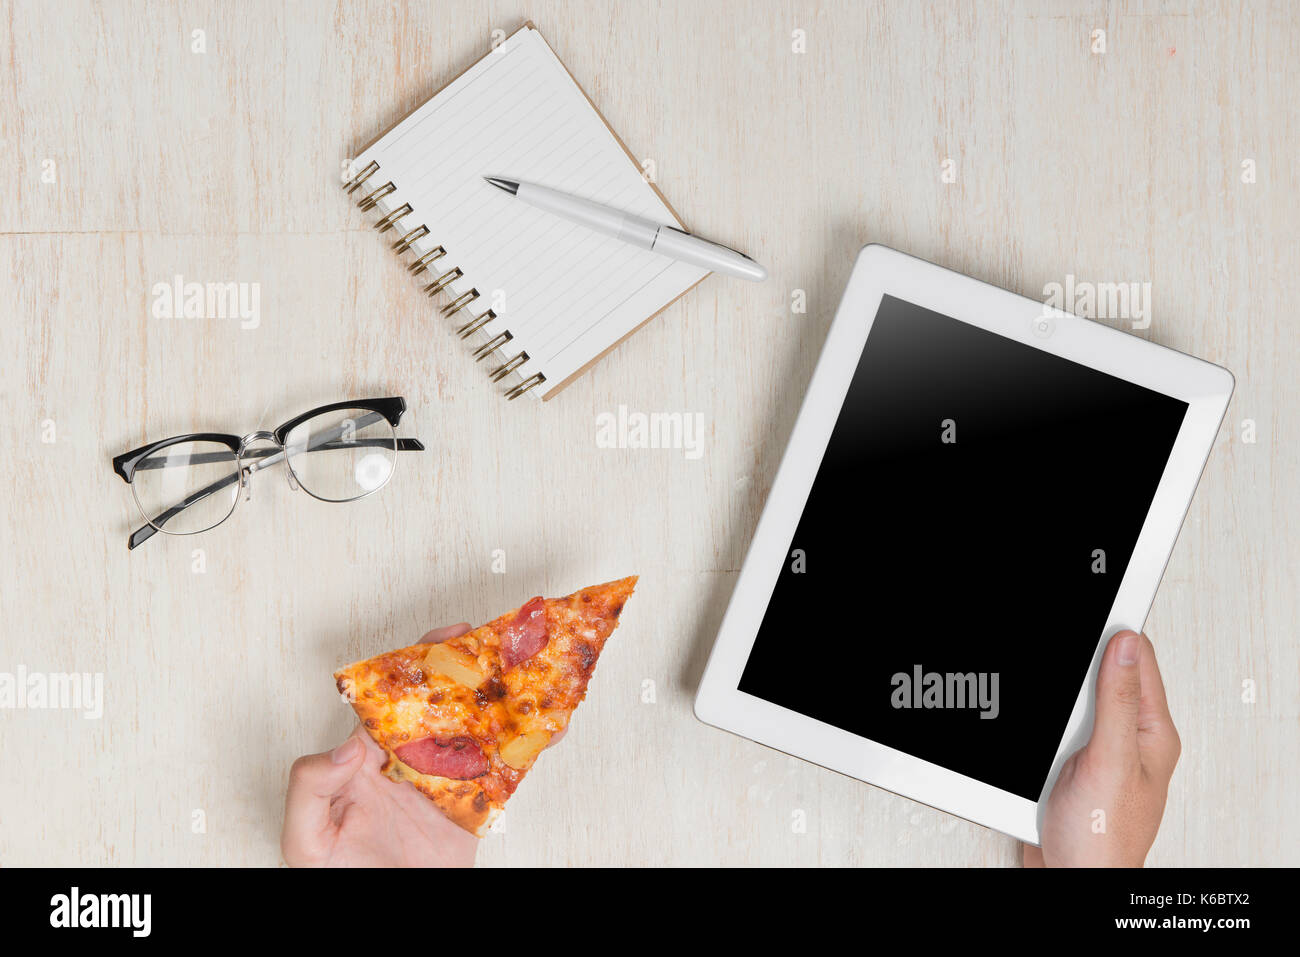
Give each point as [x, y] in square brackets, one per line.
[564, 292]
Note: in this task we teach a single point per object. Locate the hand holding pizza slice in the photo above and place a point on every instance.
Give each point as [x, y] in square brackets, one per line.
[342, 811]
[463, 720]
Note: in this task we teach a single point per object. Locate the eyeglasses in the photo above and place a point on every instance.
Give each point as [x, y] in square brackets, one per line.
[337, 453]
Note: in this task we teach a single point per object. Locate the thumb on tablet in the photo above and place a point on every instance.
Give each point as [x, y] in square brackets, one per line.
[1119, 696]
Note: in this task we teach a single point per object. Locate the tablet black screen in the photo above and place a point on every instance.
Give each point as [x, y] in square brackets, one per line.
[973, 516]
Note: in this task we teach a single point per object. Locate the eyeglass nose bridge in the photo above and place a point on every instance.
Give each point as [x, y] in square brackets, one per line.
[246, 471]
[257, 437]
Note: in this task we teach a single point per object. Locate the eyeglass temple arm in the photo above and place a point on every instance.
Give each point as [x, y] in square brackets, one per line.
[207, 458]
[147, 531]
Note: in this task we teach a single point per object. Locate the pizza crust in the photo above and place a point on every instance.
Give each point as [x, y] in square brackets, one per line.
[464, 802]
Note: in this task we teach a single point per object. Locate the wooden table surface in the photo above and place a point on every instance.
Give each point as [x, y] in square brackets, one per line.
[989, 138]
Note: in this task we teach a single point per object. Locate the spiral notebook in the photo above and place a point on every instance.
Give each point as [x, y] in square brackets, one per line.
[537, 298]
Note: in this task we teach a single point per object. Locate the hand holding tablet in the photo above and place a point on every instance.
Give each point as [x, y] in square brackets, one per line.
[977, 494]
[1110, 795]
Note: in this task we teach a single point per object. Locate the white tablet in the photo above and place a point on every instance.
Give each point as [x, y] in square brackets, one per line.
[979, 491]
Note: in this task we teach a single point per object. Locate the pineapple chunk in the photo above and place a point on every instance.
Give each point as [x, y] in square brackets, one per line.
[520, 750]
[460, 667]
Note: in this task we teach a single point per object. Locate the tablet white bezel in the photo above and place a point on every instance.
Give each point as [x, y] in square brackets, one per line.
[1205, 387]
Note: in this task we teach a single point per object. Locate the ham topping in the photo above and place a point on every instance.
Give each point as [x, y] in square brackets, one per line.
[526, 635]
[457, 757]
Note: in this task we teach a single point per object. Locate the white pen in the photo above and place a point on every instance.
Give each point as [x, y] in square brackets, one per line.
[635, 230]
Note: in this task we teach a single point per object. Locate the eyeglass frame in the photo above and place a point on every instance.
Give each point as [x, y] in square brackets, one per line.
[126, 464]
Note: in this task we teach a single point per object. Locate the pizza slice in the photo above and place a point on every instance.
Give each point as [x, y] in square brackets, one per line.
[464, 720]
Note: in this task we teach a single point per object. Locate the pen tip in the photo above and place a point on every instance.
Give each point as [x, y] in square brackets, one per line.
[509, 186]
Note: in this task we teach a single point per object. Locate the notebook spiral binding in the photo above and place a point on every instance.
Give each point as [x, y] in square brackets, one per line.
[391, 212]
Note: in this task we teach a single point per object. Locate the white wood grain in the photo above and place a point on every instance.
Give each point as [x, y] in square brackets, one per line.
[224, 166]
